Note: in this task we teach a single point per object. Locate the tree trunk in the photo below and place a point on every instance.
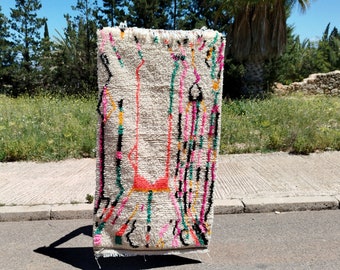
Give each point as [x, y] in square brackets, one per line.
[253, 79]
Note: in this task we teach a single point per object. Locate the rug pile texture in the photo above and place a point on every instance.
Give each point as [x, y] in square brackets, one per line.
[157, 141]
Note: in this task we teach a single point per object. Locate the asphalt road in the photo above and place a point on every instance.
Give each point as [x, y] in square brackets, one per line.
[292, 240]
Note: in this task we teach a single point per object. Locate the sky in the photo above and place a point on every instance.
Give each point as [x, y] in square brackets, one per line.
[310, 24]
[313, 22]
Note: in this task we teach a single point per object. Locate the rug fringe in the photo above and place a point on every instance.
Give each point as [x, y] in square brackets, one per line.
[107, 253]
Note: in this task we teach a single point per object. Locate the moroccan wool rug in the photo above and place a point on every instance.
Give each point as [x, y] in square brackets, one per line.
[158, 139]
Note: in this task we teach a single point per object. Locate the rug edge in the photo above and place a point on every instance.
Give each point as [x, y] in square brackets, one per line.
[106, 253]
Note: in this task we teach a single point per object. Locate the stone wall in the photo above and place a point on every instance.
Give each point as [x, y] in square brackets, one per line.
[320, 83]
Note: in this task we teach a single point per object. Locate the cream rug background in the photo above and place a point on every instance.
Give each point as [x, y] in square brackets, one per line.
[158, 138]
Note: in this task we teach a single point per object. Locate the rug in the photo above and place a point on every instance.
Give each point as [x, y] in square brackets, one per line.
[157, 141]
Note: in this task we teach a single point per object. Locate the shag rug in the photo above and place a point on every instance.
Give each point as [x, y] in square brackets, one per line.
[157, 142]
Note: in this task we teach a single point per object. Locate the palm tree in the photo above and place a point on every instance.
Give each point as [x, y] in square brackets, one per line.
[258, 34]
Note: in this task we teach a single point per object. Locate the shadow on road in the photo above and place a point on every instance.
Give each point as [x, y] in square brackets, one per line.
[83, 257]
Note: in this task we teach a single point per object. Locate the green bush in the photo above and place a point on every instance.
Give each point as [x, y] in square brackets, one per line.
[47, 128]
[296, 123]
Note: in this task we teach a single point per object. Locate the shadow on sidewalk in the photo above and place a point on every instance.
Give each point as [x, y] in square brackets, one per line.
[83, 257]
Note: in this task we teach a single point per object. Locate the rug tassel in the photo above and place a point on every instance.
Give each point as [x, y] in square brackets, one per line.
[209, 257]
[99, 266]
[198, 257]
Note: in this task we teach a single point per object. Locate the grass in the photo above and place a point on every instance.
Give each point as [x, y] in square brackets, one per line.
[49, 128]
[296, 123]
[89, 198]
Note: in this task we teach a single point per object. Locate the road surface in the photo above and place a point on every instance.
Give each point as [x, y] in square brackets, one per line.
[292, 240]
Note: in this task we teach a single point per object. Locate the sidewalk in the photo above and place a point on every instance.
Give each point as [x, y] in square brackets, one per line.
[245, 183]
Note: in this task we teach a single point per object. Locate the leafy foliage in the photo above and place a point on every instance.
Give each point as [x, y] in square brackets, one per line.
[113, 12]
[7, 55]
[149, 13]
[66, 64]
[296, 123]
[75, 52]
[25, 25]
[46, 128]
[307, 57]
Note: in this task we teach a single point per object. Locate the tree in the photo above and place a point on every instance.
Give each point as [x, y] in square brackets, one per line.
[150, 13]
[301, 59]
[288, 66]
[258, 34]
[329, 47]
[180, 16]
[75, 51]
[26, 36]
[46, 47]
[295, 63]
[66, 60]
[114, 12]
[45, 60]
[6, 55]
[195, 14]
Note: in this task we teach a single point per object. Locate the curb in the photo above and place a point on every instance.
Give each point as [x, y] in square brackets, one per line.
[221, 207]
[266, 205]
[276, 204]
[46, 212]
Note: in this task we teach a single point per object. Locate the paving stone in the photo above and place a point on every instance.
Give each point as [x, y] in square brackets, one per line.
[289, 182]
